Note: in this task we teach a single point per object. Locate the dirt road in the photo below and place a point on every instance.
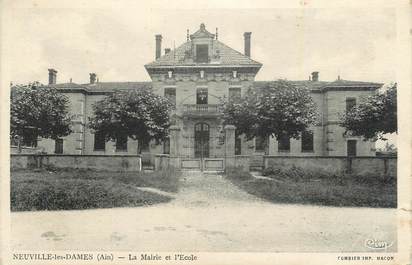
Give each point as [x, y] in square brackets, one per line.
[208, 214]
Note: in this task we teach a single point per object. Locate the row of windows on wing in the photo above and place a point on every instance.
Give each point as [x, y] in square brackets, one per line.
[284, 143]
[260, 143]
[202, 74]
[121, 143]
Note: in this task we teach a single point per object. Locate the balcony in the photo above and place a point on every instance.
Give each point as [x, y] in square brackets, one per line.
[200, 110]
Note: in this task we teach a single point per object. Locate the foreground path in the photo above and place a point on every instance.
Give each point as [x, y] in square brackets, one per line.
[208, 214]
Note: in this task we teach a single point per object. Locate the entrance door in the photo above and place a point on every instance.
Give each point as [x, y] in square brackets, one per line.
[201, 140]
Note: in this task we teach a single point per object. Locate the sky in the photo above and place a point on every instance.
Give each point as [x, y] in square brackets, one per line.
[357, 44]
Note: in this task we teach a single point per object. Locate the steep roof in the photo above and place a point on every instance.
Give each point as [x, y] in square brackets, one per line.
[226, 57]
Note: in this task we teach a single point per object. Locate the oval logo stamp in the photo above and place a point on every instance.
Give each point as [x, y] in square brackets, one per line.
[377, 244]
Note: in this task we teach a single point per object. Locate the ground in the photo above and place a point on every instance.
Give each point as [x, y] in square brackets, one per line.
[63, 189]
[208, 213]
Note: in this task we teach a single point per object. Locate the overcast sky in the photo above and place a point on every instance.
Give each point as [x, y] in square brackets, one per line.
[357, 44]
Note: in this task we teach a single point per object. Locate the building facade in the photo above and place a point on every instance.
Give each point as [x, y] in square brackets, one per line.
[195, 76]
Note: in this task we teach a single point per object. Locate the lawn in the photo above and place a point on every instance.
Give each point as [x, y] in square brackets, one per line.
[303, 187]
[87, 189]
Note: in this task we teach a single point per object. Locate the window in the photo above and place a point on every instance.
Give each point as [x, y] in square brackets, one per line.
[99, 141]
[29, 141]
[202, 53]
[121, 142]
[260, 144]
[284, 144]
[351, 147]
[238, 146]
[350, 103]
[144, 146]
[201, 96]
[58, 146]
[307, 141]
[202, 74]
[166, 146]
[170, 94]
[234, 93]
[14, 141]
[170, 74]
[234, 74]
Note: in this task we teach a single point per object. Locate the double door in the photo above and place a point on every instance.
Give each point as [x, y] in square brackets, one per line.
[202, 143]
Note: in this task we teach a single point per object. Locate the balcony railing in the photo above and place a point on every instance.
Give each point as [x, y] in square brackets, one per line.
[201, 109]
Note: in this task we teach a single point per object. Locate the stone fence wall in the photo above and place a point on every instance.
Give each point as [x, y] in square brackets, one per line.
[370, 165]
[112, 163]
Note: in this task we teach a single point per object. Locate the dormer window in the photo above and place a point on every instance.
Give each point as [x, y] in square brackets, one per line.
[170, 74]
[202, 53]
[202, 74]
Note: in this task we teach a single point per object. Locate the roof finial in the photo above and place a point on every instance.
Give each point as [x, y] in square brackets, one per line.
[216, 34]
[187, 35]
[338, 77]
[202, 26]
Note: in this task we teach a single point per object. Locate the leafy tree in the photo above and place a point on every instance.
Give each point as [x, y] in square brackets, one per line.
[139, 114]
[279, 109]
[38, 111]
[375, 116]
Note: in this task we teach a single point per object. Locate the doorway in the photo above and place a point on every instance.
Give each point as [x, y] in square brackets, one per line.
[202, 134]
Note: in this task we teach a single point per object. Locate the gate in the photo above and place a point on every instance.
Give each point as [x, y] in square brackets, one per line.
[201, 160]
[202, 135]
[203, 164]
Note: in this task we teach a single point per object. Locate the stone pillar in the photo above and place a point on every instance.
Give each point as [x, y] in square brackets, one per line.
[230, 146]
[174, 146]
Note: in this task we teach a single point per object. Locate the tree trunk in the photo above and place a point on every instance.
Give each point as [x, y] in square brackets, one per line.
[267, 145]
[139, 147]
[19, 147]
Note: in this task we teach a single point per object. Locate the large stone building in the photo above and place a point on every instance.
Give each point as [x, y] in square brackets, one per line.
[194, 76]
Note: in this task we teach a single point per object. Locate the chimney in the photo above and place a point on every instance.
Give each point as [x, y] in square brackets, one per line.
[315, 76]
[167, 50]
[92, 78]
[158, 46]
[52, 76]
[246, 35]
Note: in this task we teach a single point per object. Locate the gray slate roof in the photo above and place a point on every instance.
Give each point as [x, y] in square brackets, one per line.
[105, 87]
[318, 85]
[227, 57]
